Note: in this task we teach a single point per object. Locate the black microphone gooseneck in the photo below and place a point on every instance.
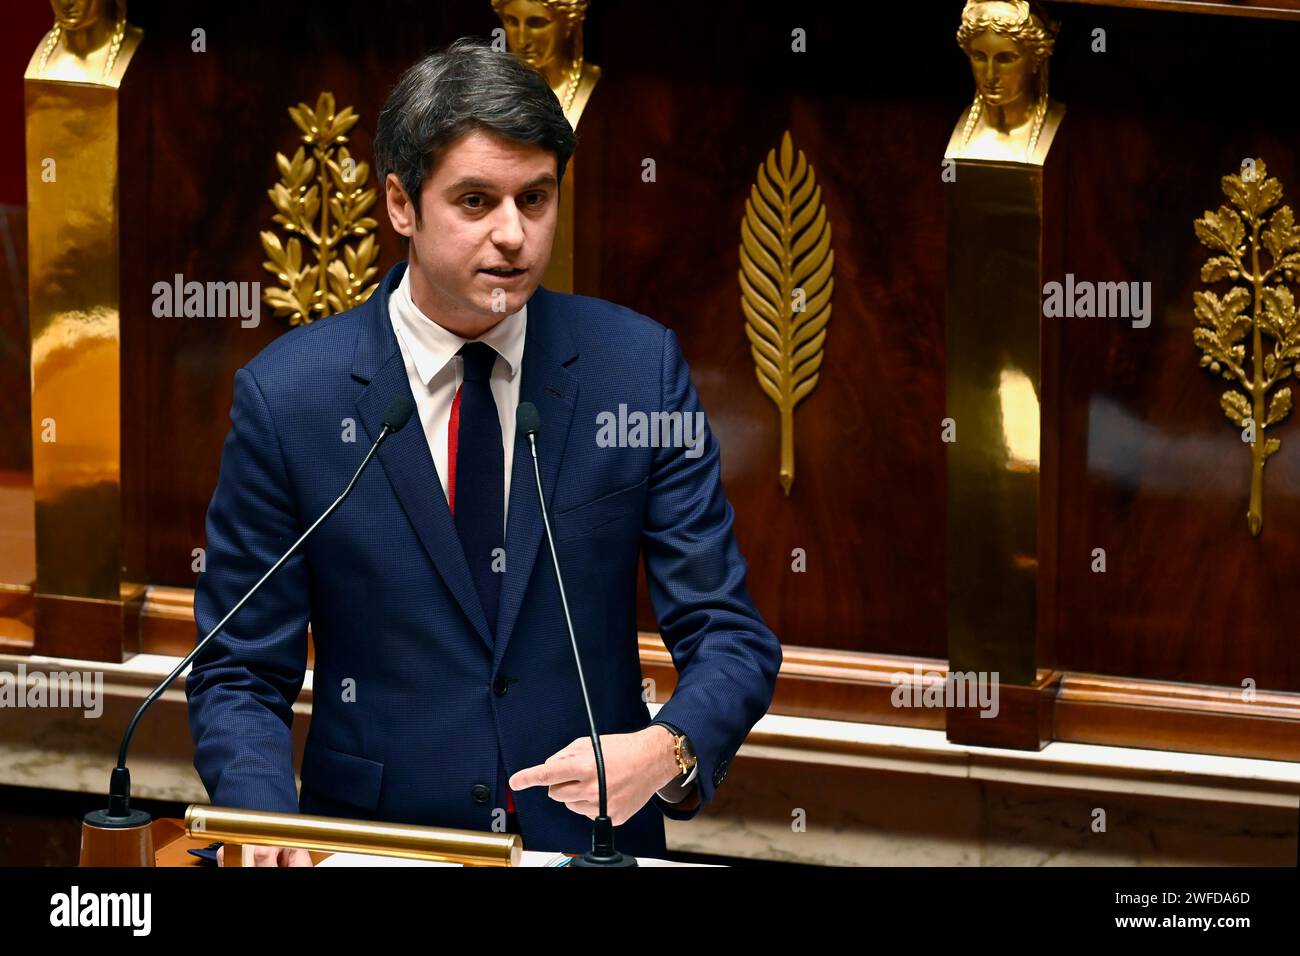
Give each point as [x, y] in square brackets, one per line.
[602, 853]
[119, 812]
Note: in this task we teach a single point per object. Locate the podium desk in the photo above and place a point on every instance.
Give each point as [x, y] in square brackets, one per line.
[171, 847]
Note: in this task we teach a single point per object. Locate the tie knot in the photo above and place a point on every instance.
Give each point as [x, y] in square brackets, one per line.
[479, 358]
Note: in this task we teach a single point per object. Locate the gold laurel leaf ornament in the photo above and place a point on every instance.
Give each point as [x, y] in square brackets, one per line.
[1250, 335]
[321, 199]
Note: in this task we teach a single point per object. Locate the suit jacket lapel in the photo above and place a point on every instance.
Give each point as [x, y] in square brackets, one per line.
[405, 456]
[548, 348]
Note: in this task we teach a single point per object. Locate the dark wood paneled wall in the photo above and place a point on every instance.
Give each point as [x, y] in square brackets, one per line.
[24, 26]
[215, 121]
[1149, 469]
[707, 98]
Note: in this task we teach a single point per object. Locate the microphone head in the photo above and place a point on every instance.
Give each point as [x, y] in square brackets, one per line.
[527, 419]
[399, 413]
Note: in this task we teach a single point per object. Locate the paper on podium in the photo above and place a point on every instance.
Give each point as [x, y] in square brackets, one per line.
[531, 858]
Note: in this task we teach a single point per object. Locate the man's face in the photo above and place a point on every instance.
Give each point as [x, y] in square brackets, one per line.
[490, 204]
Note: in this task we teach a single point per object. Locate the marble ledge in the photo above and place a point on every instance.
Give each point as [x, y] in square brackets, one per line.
[776, 738]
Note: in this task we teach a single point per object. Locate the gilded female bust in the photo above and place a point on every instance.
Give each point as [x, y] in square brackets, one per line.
[90, 42]
[1009, 44]
[547, 35]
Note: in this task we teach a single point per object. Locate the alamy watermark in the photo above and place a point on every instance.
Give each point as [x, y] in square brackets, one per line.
[208, 300]
[653, 430]
[1101, 300]
[77, 909]
[72, 689]
[958, 689]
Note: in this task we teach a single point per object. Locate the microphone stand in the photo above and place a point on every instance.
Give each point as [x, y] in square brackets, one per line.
[602, 852]
[122, 836]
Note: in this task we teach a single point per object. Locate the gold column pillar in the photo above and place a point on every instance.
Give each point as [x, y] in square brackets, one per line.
[994, 226]
[995, 175]
[559, 272]
[83, 607]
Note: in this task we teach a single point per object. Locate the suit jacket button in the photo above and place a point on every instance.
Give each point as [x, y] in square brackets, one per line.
[482, 793]
[500, 685]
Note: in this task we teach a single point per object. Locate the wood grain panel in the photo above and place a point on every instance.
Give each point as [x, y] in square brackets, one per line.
[1150, 469]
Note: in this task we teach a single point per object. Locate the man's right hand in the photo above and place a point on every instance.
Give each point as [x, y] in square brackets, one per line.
[272, 856]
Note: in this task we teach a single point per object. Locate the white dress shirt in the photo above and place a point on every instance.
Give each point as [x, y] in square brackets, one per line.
[435, 372]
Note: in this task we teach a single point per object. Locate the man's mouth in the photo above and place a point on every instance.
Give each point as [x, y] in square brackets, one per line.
[504, 273]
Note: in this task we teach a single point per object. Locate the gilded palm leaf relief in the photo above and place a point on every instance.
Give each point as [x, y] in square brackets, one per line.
[1257, 248]
[786, 284]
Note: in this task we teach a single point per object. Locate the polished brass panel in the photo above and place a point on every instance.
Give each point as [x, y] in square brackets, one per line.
[558, 276]
[1257, 255]
[337, 835]
[71, 103]
[786, 283]
[321, 199]
[993, 313]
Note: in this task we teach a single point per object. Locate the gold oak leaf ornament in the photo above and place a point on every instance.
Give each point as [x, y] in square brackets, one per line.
[786, 285]
[333, 225]
[1257, 252]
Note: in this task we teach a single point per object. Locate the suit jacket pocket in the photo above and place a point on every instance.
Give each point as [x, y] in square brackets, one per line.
[587, 517]
[342, 777]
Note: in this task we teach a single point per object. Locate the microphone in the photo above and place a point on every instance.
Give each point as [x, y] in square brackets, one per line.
[602, 853]
[117, 835]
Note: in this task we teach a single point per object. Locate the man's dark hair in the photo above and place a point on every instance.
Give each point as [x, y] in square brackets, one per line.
[465, 87]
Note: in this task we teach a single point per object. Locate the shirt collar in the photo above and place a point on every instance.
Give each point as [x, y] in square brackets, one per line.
[432, 347]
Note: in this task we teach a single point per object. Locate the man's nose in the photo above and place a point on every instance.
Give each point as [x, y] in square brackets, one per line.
[508, 228]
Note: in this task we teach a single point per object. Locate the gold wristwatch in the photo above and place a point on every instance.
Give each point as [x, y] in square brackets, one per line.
[683, 752]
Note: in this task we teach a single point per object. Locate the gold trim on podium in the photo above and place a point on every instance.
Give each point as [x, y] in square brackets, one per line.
[336, 835]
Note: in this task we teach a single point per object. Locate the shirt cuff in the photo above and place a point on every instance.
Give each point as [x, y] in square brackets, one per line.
[685, 794]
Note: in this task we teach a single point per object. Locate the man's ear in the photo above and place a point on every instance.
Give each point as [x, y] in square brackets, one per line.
[401, 211]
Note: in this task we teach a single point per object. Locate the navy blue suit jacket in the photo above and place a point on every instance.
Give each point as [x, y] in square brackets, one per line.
[413, 699]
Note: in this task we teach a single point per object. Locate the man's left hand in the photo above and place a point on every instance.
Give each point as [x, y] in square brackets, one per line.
[636, 766]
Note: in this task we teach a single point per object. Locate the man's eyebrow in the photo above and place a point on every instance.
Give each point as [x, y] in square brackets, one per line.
[473, 182]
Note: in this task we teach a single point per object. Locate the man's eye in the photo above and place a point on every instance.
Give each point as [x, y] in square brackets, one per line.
[536, 199]
[475, 200]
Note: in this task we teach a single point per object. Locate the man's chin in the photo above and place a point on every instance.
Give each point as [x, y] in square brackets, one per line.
[511, 300]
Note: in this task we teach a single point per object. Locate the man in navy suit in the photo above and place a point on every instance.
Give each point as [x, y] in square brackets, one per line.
[445, 691]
